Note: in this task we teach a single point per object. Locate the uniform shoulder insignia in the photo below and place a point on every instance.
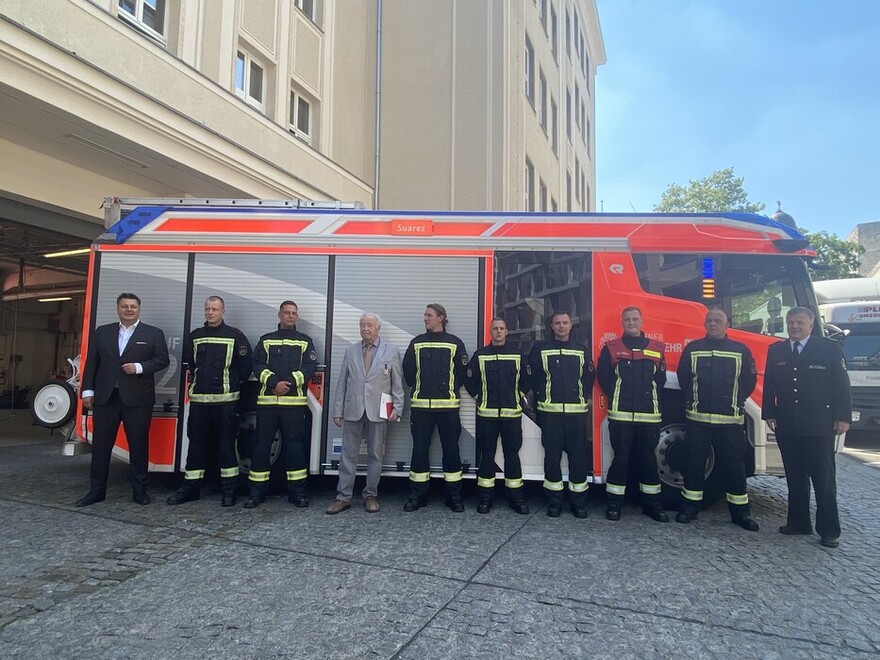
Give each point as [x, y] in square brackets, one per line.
[470, 373]
[529, 369]
[313, 356]
[464, 358]
[242, 350]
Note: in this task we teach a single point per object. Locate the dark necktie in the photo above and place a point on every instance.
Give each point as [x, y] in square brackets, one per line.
[797, 348]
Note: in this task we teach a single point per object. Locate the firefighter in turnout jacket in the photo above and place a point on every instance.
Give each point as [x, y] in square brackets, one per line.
[284, 363]
[561, 374]
[716, 375]
[632, 372]
[219, 359]
[434, 367]
[494, 380]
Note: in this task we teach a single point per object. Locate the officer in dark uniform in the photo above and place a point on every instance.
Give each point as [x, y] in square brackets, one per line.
[716, 375]
[494, 377]
[219, 359]
[561, 374]
[632, 372]
[806, 403]
[284, 363]
[434, 367]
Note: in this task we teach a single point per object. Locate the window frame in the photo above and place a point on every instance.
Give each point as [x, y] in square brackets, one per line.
[293, 117]
[530, 185]
[300, 4]
[137, 21]
[529, 66]
[542, 100]
[244, 92]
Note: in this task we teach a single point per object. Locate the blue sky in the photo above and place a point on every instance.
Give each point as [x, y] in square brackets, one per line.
[787, 92]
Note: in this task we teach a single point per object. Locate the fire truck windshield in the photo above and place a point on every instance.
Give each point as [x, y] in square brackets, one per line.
[756, 291]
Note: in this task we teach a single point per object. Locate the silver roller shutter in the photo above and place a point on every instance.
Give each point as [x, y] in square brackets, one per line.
[397, 289]
[159, 280]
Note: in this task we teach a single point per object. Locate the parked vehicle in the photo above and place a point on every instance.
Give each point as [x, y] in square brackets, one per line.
[338, 262]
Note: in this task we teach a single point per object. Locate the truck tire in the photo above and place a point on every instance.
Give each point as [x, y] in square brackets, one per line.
[53, 404]
[671, 456]
[247, 435]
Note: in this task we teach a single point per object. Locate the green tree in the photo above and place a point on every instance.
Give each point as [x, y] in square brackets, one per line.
[836, 258]
[719, 192]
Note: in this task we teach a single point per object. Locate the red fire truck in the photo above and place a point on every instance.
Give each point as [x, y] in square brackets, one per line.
[339, 262]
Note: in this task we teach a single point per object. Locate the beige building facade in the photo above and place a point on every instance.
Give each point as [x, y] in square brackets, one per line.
[484, 105]
[489, 105]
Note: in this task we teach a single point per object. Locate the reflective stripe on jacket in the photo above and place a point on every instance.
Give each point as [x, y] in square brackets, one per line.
[219, 360]
[632, 373]
[716, 377]
[284, 355]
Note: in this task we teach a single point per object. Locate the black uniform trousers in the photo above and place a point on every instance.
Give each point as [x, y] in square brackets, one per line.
[291, 421]
[635, 442]
[421, 424]
[204, 420]
[565, 432]
[136, 421]
[729, 443]
[488, 430]
[810, 458]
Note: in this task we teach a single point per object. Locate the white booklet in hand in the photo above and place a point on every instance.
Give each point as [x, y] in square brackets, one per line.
[386, 406]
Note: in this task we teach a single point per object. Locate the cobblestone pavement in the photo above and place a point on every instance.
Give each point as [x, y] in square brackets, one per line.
[121, 580]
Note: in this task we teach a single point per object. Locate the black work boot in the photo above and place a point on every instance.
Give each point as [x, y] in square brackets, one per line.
[418, 495]
[517, 501]
[453, 496]
[186, 493]
[296, 493]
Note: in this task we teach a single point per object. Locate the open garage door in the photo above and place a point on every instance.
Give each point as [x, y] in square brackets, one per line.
[41, 307]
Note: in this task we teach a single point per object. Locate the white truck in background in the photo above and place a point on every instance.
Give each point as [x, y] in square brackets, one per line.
[850, 311]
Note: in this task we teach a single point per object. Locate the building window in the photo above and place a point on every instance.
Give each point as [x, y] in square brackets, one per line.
[577, 179]
[554, 207]
[307, 7]
[589, 136]
[568, 114]
[568, 191]
[250, 81]
[300, 117]
[587, 69]
[583, 121]
[530, 186]
[543, 4]
[542, 195]
[149, 14]
[577, 105]
[554, 125]
[567, 34]
[554, 32]
[587, 198]
[542, 100]
[576, 32]
[585, 202]
[530, 71]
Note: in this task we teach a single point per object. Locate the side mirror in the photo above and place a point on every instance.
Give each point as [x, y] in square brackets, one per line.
[835, 333]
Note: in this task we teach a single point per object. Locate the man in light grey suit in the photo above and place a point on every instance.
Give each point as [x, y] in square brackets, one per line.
[370, 368]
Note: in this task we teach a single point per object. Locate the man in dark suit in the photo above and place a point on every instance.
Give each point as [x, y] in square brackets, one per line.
[806, 403]
[119, 385]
